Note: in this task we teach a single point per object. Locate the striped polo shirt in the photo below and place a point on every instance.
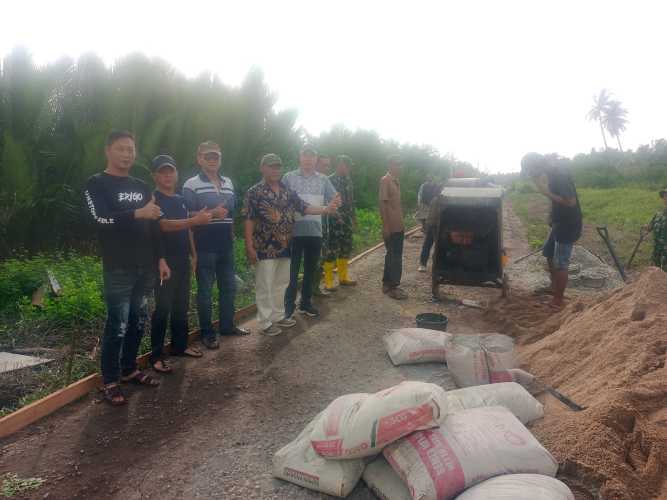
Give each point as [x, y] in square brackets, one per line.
[199, 193]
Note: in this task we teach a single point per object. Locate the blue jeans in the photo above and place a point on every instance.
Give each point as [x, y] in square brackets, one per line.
[211, 267]
[557, 252]
[125, 294]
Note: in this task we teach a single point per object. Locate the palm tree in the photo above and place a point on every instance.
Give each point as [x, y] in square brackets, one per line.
[615, 120]
[597, 112]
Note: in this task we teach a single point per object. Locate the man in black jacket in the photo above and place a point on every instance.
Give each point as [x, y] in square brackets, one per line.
[124, 211]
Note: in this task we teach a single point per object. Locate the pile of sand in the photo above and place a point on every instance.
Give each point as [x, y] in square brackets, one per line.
[609, 356]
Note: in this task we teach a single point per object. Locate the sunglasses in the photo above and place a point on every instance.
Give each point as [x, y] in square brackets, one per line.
[211, 156]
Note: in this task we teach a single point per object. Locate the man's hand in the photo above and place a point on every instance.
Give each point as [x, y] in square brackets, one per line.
[163, 268]
[220, 212]
[251, 254]
[149, 211]
[333, 204]
[202, 217]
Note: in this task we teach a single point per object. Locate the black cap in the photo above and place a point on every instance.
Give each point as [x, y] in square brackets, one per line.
[162, 161]
[308, 148]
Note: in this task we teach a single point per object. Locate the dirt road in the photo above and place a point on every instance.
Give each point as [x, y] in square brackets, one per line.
[211, 428]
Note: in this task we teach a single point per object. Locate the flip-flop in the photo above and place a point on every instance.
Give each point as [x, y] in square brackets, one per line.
[113, 395]
[141, 378]
[192, 352]
[165, 367]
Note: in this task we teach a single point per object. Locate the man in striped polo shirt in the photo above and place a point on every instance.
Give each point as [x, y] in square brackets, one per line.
[214, 242]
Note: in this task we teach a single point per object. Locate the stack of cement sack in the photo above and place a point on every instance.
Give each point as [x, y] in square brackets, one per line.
[416, 441]
[472, 359]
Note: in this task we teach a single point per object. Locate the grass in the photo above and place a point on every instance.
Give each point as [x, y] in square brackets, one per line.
[69, 326]
[623, 210]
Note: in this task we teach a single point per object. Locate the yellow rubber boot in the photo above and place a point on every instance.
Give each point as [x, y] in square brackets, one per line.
[343, 276]
[328, 276]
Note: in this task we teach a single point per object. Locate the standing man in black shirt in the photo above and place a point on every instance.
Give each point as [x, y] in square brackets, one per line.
[552, 178]
[172, 298]
[125, 213]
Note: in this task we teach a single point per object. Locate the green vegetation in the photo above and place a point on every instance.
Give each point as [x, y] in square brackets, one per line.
[54, 120]
[13, 485]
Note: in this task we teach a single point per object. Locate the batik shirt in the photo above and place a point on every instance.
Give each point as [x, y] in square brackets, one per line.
[274, 215]
[659, 227]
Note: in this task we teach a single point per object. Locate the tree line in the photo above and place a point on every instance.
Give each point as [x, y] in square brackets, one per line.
[54, 120]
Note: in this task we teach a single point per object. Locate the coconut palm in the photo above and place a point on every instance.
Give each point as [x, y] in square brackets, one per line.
[598, 110]
[615, 120]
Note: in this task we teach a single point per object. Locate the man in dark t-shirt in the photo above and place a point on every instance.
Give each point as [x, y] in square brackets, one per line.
[552, 178]
[172, 297]
[124, 212]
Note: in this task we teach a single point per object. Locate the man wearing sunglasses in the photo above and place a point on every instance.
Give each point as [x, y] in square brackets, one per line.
[214, 242]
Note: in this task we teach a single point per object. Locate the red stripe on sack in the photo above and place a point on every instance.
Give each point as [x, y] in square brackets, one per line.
[441, 462]
[401, 423]
[330, 448]
[427, 352]
[503, 376]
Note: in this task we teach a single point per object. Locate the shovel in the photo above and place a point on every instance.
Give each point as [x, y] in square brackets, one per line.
[642, 234]
[560, 397]
[526, 379]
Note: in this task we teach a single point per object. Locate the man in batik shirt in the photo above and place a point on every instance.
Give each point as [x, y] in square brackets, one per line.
[270, 210]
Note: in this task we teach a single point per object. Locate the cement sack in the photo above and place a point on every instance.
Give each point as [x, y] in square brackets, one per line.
[519, 487]
[416, 345]
[507, 394]
[469, 447]
[383, 481]
[480, 359]
[299, 464]
[360, 425]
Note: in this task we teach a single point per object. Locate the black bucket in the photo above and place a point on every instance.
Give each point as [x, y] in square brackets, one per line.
[432, 321]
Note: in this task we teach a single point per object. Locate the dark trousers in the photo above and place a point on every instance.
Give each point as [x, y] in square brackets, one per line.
[215, 267]
[307, 248]
[393, 260]
[125, 294]
[172, 301]
[426, 246]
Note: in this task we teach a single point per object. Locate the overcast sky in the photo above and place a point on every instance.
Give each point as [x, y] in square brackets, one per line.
[484, 80]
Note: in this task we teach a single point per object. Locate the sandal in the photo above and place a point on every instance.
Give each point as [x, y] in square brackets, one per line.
[192, 352]
[141, 378]
[161, 366]
[112, 395]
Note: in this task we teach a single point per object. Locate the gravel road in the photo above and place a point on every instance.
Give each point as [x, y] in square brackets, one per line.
[211, 428]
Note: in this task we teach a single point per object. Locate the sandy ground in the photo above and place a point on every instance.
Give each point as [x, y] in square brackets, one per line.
[211, 428]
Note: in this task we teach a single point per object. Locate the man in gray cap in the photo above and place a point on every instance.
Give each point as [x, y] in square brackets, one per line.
[270, 210]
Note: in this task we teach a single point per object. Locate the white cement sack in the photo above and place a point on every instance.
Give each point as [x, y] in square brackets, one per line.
[360, 425]
[519, 487]
[416, 345]
[299, 464]
[480, 359]
[507, 394]
[469, 447]
[383, 481]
